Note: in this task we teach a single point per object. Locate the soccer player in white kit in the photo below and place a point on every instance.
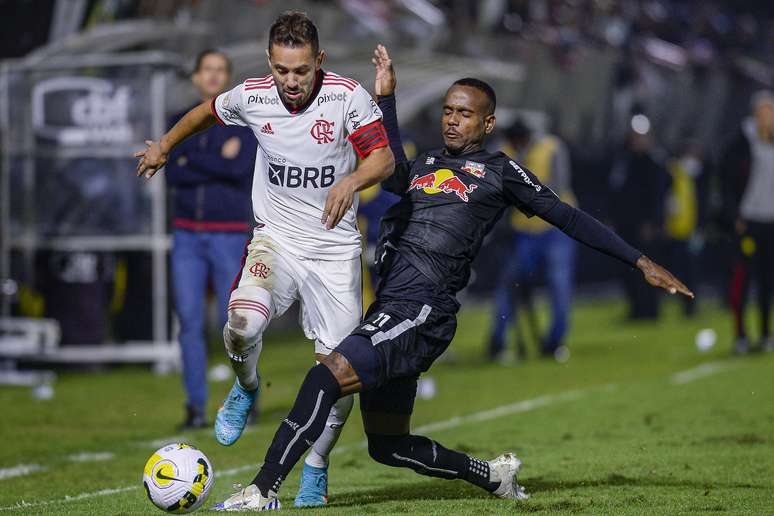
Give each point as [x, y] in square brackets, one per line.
[306, 245]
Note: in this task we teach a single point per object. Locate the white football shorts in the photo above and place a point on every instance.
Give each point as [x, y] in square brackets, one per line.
[329, 291]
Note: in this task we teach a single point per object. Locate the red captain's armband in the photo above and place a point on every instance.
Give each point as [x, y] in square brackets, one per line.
[368, 138]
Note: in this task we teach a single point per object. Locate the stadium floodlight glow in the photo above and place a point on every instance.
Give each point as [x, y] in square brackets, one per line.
[640, 124]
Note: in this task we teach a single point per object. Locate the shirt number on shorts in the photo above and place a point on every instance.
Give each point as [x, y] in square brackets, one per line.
[381, 319]
[379, 322]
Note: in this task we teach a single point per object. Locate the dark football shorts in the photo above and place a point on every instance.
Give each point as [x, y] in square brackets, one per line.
[397, 341]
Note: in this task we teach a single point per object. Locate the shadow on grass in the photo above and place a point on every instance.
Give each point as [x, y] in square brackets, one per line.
[429, 490]
[538, 484]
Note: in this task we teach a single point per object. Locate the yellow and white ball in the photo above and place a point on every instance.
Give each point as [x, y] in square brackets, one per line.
[177, 478]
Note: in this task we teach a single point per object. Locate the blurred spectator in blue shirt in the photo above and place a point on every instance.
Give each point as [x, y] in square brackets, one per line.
[211, 175]
[537, 246]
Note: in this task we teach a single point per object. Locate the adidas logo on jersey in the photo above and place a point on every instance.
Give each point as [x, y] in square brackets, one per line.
[266, 129]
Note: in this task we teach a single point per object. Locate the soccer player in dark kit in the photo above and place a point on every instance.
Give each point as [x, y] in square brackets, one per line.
[450, 199]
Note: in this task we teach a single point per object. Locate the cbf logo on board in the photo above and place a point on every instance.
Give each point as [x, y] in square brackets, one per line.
[322, 131]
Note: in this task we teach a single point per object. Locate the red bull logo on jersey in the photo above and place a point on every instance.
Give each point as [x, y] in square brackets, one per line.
[442, 181]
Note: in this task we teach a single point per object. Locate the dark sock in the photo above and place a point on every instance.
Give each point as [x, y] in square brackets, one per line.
[300, 429]
[429, 458]
[477, 473]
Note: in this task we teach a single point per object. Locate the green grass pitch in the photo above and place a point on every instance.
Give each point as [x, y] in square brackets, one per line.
[637, 422]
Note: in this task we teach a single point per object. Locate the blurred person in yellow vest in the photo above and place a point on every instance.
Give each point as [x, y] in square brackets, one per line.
[682, 215]
[537, 247]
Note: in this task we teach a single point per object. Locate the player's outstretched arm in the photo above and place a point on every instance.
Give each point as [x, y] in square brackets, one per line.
[524, 190]
[156, 154]
[586, 229]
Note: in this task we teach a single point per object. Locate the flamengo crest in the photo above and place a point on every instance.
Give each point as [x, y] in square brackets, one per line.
[322, 131]
[260, 270]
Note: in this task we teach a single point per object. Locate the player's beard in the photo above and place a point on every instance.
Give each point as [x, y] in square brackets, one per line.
[295, 100]
[298, 100]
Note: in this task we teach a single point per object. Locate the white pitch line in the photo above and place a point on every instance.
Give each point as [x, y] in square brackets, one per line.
[501, 411]
[700, 371]
[158, 443]
[484, 415]
[91, 456]
[20, 470]
[83, 496]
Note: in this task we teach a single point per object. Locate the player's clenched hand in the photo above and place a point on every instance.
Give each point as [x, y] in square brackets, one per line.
[151, 159]
[384, 84]
[340, 198]
[658, 276]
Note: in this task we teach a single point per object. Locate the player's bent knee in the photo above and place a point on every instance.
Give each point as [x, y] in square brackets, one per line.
[342, 370]
[244, 325]
[248, 315]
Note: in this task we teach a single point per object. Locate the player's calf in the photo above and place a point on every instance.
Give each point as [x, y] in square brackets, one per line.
[429, 458]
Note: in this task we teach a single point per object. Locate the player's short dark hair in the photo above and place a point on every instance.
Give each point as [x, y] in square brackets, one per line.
[481, 86]
[294, 29]
[208, 52]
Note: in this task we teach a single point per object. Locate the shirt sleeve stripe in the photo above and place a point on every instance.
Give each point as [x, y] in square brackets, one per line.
[261, 79]
[328, 82]
[342, 78]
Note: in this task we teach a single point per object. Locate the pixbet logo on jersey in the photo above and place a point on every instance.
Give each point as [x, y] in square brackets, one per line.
[297, 177]
[442, 181]
[331, 97]
[263, 99]
[322, 131]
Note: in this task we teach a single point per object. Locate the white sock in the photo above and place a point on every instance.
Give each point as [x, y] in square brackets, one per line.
[245, 366]
[318, 455]
[248, 316]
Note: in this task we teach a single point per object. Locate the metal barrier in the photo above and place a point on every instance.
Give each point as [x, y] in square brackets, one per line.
[69, 128]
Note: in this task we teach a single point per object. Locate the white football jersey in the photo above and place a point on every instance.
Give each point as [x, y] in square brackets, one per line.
[301, 154]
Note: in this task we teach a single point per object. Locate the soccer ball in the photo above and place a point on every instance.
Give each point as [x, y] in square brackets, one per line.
[178, 478]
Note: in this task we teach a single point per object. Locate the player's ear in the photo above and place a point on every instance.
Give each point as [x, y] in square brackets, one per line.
[319, 60]
[489, 123]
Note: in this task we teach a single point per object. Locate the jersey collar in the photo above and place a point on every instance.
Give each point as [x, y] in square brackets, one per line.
[466, 154]
[315, 91]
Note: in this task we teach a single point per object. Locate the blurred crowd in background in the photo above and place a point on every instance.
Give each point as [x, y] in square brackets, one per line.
[652, 115]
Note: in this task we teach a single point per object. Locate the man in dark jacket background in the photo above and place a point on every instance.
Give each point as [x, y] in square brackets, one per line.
[210, 174]
[638, 191]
